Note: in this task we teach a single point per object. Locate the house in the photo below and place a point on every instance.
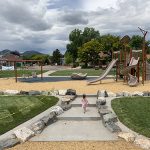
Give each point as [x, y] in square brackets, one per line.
[9, 57]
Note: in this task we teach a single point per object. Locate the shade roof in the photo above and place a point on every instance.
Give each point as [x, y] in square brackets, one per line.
[20, 60]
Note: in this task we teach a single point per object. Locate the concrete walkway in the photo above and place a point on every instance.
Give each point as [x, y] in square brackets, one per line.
[74, 125]
[46, 74]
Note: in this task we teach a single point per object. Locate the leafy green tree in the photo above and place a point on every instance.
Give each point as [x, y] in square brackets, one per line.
[15, 53]
[136, 42]
[56, 56]
[110, 42]
[77, 38]
[89, 52]
[89, 34]
[45, 58]
[68, 58]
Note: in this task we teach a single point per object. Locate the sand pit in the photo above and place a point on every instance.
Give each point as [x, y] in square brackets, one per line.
[80, 86]
[117, 145]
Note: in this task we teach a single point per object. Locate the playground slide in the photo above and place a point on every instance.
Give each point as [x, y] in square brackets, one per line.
[133, 64]
[105, 73]
[133, 81]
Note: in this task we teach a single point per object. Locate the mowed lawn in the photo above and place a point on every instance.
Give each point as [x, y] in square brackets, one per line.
[134, 113]
[90, 72]
[15, 110]
[9, 73]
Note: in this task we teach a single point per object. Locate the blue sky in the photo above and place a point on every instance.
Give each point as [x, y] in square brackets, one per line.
[44, 25]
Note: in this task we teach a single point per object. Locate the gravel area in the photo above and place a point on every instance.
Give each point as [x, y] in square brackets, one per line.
[89, 145]
[80, 86]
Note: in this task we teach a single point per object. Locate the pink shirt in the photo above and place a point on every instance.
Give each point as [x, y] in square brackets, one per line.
[84, 102]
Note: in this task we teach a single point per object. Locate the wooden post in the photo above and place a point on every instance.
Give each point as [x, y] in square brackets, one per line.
[144, 56]
[15, 70]
[41, 70]
[143, 66]
[125, 64]
[130, 53]
[145, 62]
[117, 71]
[138, 71]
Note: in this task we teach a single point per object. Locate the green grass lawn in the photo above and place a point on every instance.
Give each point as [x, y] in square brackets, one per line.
[90, 72]
[15, 110]
[6, 74]
[134, 113]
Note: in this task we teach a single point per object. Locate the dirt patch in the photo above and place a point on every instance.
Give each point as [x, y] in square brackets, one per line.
[80, 86]
[112, 145]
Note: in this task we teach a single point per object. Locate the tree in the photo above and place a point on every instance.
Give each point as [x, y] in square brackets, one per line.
[89, 52]
[68, 58]
[77, 38]
[110, 42]
[45, 58]
[89, 34]
[15, 53]
[136, 42]
[56, 56]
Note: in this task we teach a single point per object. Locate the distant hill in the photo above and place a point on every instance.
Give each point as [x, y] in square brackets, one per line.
[24, 54]
[4, 52]
[30, 53]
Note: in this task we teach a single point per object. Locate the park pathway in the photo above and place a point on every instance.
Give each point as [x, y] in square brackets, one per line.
[46, 74]
[74, 125]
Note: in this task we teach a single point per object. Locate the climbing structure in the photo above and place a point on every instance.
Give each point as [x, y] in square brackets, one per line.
[125, 56]
[129, 62]
[147, 71]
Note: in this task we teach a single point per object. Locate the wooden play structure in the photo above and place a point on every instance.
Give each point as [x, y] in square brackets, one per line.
[128, 65]
[131, 63]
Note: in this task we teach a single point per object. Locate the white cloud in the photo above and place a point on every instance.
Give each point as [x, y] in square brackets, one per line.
[46, 24]
[94, 4]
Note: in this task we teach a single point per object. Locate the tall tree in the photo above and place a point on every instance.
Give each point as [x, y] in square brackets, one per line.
[89, 34]
[77, 38]
[89, 52]
[136, 42]
[45, 58]
[56, 56]
[15, 53]
[68, 58]
[110, 42]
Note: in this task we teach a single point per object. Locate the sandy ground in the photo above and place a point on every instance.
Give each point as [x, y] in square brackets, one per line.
[112, 145]
[80, 86]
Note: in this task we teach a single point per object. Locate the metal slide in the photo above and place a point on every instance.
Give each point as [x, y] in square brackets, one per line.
[133, 81]
[105, 73]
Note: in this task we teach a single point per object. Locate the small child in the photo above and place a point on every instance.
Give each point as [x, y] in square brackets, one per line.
[84, 103]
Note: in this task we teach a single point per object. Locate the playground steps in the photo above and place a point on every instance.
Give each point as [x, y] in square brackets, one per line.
[80, 105]
[76, 114]
[74, 125]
